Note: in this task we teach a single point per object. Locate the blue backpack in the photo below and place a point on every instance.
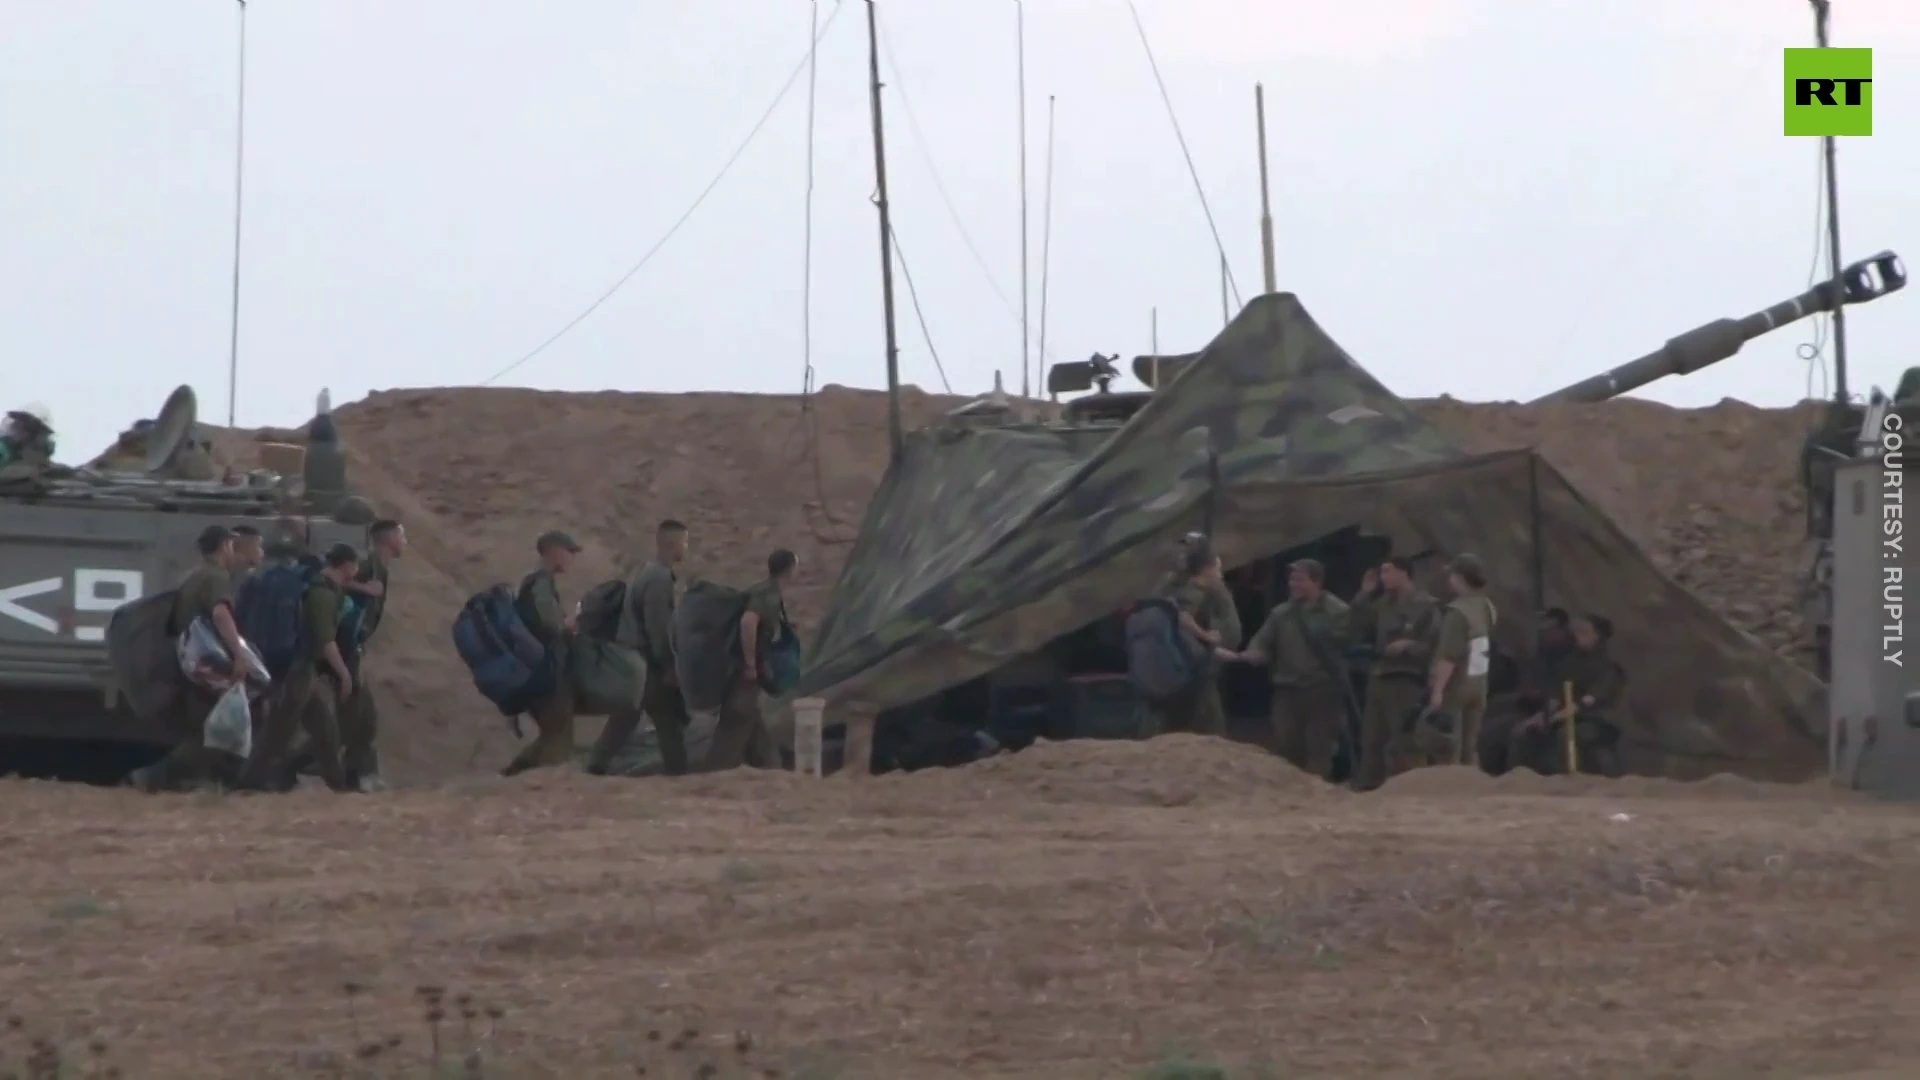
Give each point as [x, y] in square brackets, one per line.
[510, 667]
[268, 610]
[1162, 659]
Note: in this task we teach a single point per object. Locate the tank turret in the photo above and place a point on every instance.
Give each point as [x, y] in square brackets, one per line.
[1868, 279]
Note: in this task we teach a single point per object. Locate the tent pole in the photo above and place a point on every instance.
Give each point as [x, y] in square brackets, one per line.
[896, 440]
[1153, 331]
[1266, 209]
[1533, 531]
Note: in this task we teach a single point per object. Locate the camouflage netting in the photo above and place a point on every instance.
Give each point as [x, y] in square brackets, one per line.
[982, 545]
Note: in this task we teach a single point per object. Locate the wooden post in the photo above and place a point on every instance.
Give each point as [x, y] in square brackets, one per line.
[1573, 744]
[860, 719]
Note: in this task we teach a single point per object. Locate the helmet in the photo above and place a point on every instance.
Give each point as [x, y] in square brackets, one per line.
[37, 412]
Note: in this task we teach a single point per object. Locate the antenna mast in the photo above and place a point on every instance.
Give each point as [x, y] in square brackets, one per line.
[1821, 10]
[886, 233]
[239, 171]
[1046, 234]
[1266, 208]
[1020, 52]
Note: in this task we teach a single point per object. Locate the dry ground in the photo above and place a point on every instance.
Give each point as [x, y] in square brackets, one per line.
[1082, 910]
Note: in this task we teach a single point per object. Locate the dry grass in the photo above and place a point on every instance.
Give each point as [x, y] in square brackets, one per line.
[1018, 921]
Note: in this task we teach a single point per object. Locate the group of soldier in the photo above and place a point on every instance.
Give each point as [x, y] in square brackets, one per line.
[321, 694]
[1424, 699]
[652, 595]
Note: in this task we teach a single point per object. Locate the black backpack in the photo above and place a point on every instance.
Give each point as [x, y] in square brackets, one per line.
[601, 608]
[268, 608]
[1163, 660]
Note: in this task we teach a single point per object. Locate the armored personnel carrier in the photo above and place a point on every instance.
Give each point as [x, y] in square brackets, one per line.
[76, 543]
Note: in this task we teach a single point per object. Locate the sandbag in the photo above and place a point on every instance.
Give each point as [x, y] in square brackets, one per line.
[706, 643]
[606, 678]
[142, 656]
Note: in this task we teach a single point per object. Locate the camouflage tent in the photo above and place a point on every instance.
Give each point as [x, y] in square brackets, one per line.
[983, 544]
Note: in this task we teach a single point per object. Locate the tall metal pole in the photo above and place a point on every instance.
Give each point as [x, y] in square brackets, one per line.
[1046, 234]
[239, 172]
[1266, 207]
[886, 234]
[1838, 311]
[1153, 330]
[1020, 52]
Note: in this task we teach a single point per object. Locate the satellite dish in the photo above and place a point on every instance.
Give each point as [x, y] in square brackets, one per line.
[172, 429]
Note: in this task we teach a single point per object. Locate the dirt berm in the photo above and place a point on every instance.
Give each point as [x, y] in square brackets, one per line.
[1711, 494]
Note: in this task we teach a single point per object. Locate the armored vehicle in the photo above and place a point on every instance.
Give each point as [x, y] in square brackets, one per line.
[76, 543]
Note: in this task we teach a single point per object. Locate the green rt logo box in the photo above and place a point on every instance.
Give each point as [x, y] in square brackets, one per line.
[1829, 91]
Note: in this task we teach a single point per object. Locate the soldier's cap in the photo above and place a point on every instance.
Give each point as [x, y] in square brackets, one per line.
[341, 555]
[1310, 567]
[554, 538]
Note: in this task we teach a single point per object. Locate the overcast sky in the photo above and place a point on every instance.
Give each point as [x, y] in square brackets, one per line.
[1483, 197]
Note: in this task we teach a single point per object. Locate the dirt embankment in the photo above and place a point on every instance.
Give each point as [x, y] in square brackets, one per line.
[1711, 494]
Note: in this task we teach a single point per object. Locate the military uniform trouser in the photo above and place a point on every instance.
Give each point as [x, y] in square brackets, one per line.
[741, 737]
[663, 704]
[190, 761]
[1387, 749]
[1307, 722]
[1543, 748]
[307, 700]
[1469, 707]
[1198, 711]
[553, 738]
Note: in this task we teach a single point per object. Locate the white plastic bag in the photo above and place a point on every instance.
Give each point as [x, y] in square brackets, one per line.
[229, 725]
[205, 663]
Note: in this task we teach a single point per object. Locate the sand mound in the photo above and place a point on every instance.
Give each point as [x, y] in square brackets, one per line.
[1172, 770]
[1459, 780]
[477, 473]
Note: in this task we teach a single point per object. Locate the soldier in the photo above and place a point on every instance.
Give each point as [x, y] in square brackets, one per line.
[540, 608]
[1399, 618]
[1303, 645]
[207, 592]
[652, 596]
[1458, 681]
[26, 438]
[1199, 589]
[248, 553]
[1539, 685]
[359, 717]
[305, 698]
[1597, 683]
[741, 737]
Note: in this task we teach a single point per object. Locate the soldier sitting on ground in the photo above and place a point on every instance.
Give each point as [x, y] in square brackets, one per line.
[1538, 686]
[1597, 682]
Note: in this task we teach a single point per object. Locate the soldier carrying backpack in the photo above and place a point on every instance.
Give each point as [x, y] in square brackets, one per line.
[290, 611]
[650, 600]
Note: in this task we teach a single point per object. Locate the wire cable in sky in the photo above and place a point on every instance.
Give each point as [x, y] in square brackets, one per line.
[726, 167]
[913, 295]
[1192, 170]
[924, 145]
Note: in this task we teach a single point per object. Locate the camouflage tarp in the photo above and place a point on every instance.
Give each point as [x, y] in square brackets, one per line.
[984, 544]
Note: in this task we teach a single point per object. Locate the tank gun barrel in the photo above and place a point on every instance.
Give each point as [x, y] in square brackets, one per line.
[1868, 279]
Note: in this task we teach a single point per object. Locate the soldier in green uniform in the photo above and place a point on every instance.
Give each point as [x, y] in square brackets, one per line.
[1539, 685]
[646, 626]
[1399, 618]
[1462, 657]
[26, 440]
[1598, 683]
[1303, 645]
[1199, 590]
[539, 604]
[741, 737]
[207, 592]
[359, 715]
[305, 698]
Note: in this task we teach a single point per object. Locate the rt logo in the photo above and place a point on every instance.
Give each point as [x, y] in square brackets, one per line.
[1829, 91]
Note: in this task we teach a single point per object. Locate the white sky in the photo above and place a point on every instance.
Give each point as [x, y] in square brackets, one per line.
[1484, 197]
